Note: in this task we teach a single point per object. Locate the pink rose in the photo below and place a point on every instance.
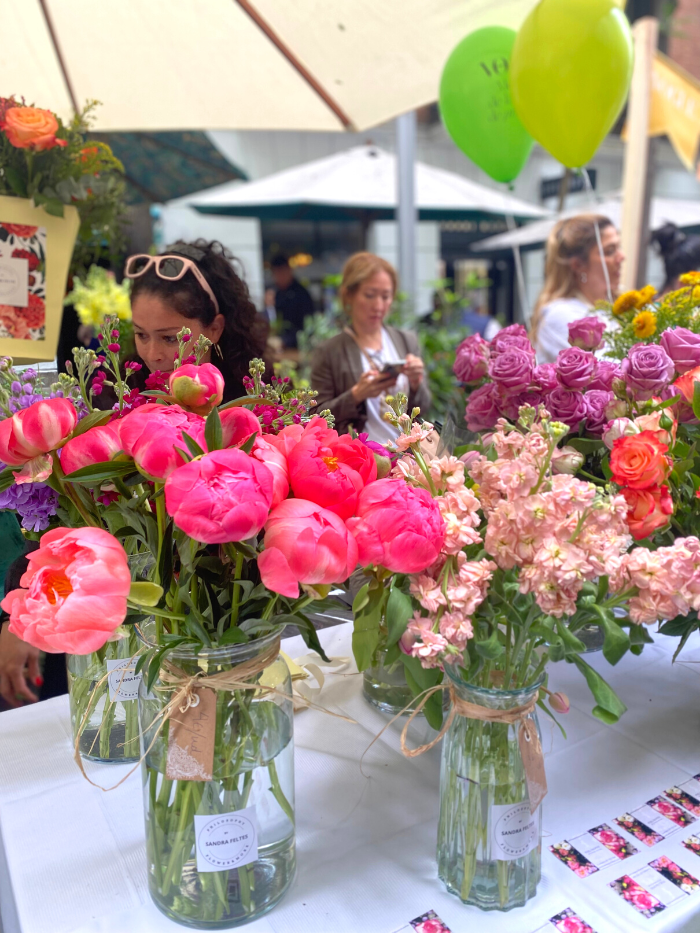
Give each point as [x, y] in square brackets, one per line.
[224, 496]
[587, 333]
[36, 430]
[471, 361]
[515, 335]
[397, 526]
[483, 408]
[683, 346]
[544, 377]
[575, 368]
[237, 424]
[98, 445]
[647, 370]
[197, 388]
[305, 543]
[151, 433]
[512, 369]
[73, 593]
[597, 401]
[568, 406]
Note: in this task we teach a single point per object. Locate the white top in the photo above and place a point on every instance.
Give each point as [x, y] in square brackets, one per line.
[553, 333]
[377, 428]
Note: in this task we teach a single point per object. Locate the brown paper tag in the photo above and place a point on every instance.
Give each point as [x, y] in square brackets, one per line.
[533, 763]
[191, 739]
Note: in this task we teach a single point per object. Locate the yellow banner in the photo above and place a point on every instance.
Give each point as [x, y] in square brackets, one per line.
[675, 108]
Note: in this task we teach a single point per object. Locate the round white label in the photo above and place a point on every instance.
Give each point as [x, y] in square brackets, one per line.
[226, 841]
[123, 682]
[515, 831]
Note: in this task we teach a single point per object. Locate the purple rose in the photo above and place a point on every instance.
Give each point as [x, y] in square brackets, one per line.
[483, 408]
[514, 335]
[587, 333]
[597, 402]
[575, 368]
[683, 347]
[512, 403]
[544, 376]
[471, 362]
[647, 370]
[567, 405]
[512, 369]
[605, 372]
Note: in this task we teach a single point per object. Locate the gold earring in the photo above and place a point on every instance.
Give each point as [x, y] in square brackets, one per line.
[217, 348]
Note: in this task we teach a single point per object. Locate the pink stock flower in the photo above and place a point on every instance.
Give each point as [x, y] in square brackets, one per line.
[32, 433]
[276, 463]
[305, 543]
[430, 649]
[418, 433]
[224, 496]
[151, 433]
[197, 388]
[98, 445]
[397, 526]
[73, 593]
[456, 629]
[427, 591]
[237, 424]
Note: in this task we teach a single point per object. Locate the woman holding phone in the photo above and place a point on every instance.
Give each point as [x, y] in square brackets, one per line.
[355, 371]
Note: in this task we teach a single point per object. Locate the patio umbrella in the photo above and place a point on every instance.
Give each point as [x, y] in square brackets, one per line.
[237, 64]
[358, 184]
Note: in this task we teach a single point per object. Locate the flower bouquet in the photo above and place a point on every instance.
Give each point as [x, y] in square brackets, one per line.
[242, 531]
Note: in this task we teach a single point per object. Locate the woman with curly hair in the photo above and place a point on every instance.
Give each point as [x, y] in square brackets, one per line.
[195, 285]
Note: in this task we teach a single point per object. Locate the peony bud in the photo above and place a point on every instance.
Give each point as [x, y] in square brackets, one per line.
[567, 460]
[559, 702]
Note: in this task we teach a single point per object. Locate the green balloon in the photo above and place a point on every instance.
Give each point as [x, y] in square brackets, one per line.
[476, 106]
[570, 72]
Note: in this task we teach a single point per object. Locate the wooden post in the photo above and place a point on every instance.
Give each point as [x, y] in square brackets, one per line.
[635, 182]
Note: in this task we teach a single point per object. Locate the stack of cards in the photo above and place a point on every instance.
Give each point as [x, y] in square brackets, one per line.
[591, 851]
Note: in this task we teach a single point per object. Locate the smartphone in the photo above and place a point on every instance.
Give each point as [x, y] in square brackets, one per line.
[393, 369]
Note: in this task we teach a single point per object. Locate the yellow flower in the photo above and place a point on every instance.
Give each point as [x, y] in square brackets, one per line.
[696, 293]
[625, 302]
[689, 278]
[646, 294]
[644, 324]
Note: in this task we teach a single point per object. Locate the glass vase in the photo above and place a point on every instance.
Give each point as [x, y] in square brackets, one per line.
[489, 844]
[103, 690]
[384, 686]
[221, 852]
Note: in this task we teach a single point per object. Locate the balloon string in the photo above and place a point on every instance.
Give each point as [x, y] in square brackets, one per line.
[520, 278]
[589, 190]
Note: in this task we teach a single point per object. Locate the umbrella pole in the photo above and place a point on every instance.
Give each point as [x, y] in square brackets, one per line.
[406, 200]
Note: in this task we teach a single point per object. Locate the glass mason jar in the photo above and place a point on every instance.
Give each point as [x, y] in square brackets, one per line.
[384, 686]
[250, 797]
[103, 690]
[489, 845]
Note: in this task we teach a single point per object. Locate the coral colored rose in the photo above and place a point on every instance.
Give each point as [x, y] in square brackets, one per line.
[472, 359]
[330, 470]
[197, 388]
[30, 434]
[151, 433]
[575, 368]
[237, 424]
[31, 128]
[639, 461]
[567, 405]
[276, 462]
[597, 401]
[397, 526]
[662, 423]
[305, 543]
[74, 591]
[605, 372]
[647, 370]
[224, 496]
[98, 445]
[587, 333]
[685, 384]
[512, 369]
[683, 346]
[483, 408]
[649, 510]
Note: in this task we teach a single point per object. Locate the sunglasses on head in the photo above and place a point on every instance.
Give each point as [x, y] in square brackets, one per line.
[169, 267]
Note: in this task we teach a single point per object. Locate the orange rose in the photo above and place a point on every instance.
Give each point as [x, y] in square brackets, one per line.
[686, 383]
[638, 461]
[649, 509]
[31, 128]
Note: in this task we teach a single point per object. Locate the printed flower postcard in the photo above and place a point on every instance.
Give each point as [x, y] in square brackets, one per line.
[429, 923]
[569, 922]
[693, 844]
[573, 859]
[674, 873]
[22, 269]
[639, 830]
[637, 896]
[613, 841]
[671, 811]
[685, 799]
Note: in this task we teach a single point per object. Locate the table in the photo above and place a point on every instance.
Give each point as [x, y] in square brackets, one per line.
[72, 858]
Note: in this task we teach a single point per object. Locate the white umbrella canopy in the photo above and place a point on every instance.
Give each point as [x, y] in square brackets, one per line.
[683, 213]
[237, 64]
[359, 183]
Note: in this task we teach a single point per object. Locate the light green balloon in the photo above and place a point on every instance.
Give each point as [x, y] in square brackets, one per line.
[570, 72]
[476, 106]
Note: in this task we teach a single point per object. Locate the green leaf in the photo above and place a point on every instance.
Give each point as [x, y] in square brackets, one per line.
[213, 434]
[609, 706]
[490, 648]
[192, 445]
[673, 627]
[617, 641]
[365, 634]
[399, 610]
[248, 446]
[572, 645]
[98, 473]
[696, 399]
[165, 558]
[7, 479]
[144, 660]
[157, 659]
[360, 600]
[307, 629]
[639, 635]
[93, 420]
[585, 445]
[145, 594]
[234, 636]
[54, 207]
[16, 181]
[420, 678]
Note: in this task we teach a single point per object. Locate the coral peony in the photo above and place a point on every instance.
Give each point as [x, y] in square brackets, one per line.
[223, 496]
[305, 543]
[397, 526]
[276, 462]
[639, 461]
[197, 388]
[32, 433]
[98, 445]
[649, 510]
[237, 424]
[31, 128]
[151, 433]
[74, 592]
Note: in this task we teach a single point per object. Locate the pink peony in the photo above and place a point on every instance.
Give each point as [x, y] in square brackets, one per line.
[224, 496]
[98, 445]
[237, 424]
[73, 593]
[197, 388]
[397, 526]
[305, 543]
[151, 433]
[276, 463]
[29, 435]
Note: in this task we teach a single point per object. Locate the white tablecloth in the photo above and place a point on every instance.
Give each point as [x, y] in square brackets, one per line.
[72, 858]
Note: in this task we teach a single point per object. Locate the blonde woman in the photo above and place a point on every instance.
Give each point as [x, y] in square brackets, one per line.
[575, 278]
[352, 372]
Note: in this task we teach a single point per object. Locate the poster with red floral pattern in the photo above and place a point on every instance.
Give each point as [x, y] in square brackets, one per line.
[20, 241]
